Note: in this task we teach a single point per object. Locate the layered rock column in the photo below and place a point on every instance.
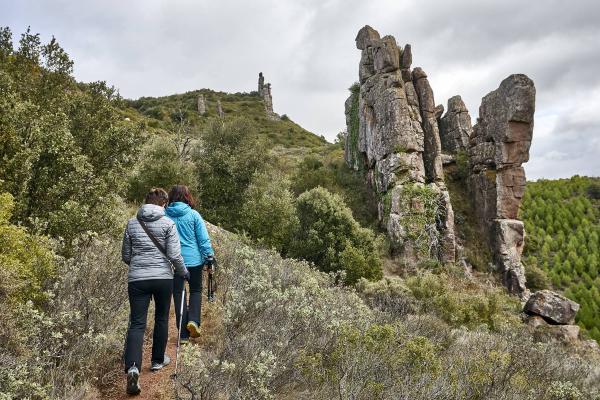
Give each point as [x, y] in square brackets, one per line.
[220, 112]
[498, 147]
[201, 105]
[393, 135]
[455, 127]
[264, 91]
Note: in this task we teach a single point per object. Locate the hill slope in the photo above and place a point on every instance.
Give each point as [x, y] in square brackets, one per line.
[163, 110]
[562, 220]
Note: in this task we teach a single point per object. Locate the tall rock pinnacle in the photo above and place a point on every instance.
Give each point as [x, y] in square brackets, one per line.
[393, 135]
[264, 91]
[498, 147]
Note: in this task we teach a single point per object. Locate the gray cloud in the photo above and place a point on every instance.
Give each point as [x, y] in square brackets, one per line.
[306, 50]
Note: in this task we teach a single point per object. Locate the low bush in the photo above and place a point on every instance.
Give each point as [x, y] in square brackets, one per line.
[269, 211]
[64, 347]
[289, 331]
[330, 237]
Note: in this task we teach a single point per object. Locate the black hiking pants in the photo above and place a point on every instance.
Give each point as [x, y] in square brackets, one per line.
[192, 310]
[140, 293]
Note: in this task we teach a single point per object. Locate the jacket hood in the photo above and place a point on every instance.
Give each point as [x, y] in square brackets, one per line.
[150, 212]
[178, 209]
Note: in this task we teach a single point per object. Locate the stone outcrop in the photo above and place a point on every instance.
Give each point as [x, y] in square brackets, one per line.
[401, 141]
[552, 316]
[455, 126]
[498, 146]
[264, 91]
[201, 105]
[552, 307]
[261, 84]
[393, 135]
[220, 112]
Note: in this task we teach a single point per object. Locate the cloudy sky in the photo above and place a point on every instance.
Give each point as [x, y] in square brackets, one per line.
[306, 50]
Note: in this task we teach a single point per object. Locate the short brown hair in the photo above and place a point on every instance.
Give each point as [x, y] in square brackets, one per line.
[157, 196]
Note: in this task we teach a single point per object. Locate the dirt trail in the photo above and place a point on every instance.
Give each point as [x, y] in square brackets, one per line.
[155, 385]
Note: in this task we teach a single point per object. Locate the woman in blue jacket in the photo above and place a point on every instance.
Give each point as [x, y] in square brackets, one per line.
[197, 253]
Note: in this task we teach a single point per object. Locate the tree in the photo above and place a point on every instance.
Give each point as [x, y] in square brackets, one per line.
[64, 146]
[161, 166]
[227, 158]
[269, 212]
[330, 237]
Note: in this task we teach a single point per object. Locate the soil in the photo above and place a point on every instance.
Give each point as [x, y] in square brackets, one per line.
[155, 385]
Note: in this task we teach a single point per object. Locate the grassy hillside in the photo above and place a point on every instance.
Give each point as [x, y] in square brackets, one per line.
[162, 111]
[562, 220]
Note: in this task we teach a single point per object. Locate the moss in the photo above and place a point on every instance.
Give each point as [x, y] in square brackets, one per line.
[490, 174]
[400, 149]
[421, 205]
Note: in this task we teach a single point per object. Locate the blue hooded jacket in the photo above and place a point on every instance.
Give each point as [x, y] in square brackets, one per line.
[195, 243]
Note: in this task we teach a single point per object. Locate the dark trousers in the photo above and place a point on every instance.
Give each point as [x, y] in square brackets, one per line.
[192, 310]
[140, 293]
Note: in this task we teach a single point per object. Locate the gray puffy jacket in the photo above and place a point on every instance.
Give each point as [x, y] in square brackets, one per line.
[141, 254]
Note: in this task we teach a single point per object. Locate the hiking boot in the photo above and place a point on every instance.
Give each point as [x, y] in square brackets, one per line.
[133, 381]
[193, 328]
[156, 366]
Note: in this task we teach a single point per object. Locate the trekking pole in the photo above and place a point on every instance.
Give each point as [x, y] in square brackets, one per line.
[174, 376]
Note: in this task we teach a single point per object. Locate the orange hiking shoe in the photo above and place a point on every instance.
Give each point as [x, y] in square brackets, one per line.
[193, 328]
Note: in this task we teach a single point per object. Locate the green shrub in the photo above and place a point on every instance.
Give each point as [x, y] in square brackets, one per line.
[536, 278]
[65, 146]
[61, 348]
[459, 303]
[161, 166]
[331, 238]
[27, 261]
[269, 212]
[227, 159]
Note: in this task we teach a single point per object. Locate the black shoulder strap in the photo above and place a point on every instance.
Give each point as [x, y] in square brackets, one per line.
[151, 236]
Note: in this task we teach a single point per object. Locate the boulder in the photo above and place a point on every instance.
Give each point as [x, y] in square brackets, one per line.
[385, 54]
[547, 332]
[553, 307]
[365, 36]
[455, 126]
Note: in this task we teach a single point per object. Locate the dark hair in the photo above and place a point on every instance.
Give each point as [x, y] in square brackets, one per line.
[157, 196]
[181, 193]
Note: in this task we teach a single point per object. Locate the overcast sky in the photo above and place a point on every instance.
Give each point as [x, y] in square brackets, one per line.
[306, 50]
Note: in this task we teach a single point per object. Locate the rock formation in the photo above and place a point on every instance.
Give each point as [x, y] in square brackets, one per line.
[220, 112]
[553, 314]
[455, 126]
[261, 84]
[396, 135]
[264, 91]
[498, 146]
[392, 134]
[201, 105]
[553, 307]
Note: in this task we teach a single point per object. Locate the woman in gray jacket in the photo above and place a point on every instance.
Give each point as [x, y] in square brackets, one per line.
[151, 249]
